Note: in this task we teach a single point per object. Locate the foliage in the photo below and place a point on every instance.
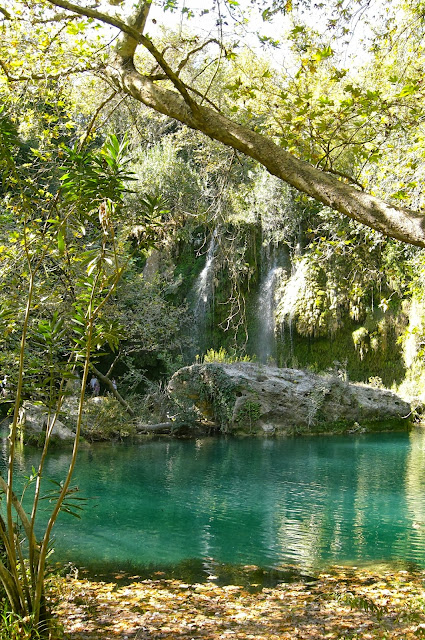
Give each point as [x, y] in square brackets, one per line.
[70, 222]
[105, 420]
[360, 339]
[349, 122]
[343, 120]
[249, 413]
[219, 390]
[48, 247]
[223, 357]
[154, 330]
[316, 401]
[14, 627]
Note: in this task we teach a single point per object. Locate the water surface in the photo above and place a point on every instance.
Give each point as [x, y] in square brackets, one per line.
[306, 502]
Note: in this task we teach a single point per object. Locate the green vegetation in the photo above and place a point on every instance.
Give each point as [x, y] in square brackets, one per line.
[48, 250]
[248, 414]
[222, 356]
[133, 240]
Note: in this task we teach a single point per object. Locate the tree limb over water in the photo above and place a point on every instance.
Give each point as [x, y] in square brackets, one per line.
[185, 105]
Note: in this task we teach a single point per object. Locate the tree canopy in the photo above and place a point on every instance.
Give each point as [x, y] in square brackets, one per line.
[350, 138]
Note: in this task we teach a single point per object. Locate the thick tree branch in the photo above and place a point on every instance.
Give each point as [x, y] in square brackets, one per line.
[88, 12]
[132, 35]
[5, 13]
[180, 86]
[400, 223]
[164, 428]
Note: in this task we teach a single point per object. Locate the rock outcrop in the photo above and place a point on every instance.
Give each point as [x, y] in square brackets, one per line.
[254, 398]
[34, 418]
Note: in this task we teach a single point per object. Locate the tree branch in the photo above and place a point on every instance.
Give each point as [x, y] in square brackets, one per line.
[131, 36]
[114, 392]
[47, 76]
[94, 118]
[59, 17]
[341, 174]
[6, 71]
[106, 18]
[191, 53]
[179, 84]
[114, 362]
[5, 13]
[400, 223]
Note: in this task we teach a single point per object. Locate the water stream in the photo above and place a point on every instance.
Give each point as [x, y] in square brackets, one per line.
[306, 502]
[202, 295]
[266, 338]
[276, 263]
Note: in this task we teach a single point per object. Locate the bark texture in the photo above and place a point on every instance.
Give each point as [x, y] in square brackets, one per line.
[397, 222]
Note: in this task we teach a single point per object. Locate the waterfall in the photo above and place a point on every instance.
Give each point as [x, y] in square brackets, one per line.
[276, 267]
[266, 338]
[202, 296]
[288, 301]
[293, 291]
[203, 287]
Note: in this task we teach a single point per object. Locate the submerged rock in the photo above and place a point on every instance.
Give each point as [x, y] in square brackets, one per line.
[253, 398]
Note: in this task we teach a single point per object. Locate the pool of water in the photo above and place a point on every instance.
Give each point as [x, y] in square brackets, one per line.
[306, 503]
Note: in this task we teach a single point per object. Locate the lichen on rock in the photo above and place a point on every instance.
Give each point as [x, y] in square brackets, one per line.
[246, 397]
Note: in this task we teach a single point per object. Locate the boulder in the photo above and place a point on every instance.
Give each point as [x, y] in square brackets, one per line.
[254, 398]
[34, 419]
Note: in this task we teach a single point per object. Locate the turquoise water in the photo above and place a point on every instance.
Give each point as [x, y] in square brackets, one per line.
[307, 502]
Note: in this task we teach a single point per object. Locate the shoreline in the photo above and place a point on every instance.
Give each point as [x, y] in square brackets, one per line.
[344, 602]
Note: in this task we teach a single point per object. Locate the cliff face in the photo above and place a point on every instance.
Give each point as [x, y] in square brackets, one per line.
[247, 397]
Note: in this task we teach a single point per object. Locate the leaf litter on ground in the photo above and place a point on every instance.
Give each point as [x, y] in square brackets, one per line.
[342, 603]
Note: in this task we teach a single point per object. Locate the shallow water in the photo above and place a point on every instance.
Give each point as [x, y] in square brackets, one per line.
[305, 502]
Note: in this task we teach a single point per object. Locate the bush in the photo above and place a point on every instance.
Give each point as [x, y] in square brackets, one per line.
[105, 419]
[223, 357]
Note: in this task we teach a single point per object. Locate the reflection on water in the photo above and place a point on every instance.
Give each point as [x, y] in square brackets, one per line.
[306, 502]
[414, 482]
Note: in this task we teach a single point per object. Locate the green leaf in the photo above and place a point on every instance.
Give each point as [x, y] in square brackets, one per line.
[61, 242]
[408, 90]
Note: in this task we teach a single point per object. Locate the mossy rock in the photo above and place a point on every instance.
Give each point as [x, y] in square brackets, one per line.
[246, 397]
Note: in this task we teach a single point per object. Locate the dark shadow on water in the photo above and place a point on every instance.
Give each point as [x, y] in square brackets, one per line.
[194, 571]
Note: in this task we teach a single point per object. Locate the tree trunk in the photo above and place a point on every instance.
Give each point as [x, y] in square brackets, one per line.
[166, 427]
[160, 427]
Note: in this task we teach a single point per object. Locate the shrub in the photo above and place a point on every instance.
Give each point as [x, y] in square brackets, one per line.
[221, 356]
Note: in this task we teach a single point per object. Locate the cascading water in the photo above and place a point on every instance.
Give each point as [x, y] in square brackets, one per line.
[266, 338]
[203, 287]
[293, 290]
[287, 305]
[202, 295]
